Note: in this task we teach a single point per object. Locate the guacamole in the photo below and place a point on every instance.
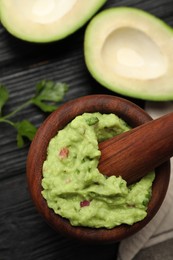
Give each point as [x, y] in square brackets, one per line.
[75, 189]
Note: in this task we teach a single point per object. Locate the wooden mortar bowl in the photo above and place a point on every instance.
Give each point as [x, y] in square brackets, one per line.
[129, 112]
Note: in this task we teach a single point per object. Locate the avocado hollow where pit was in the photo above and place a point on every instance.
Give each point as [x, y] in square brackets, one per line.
[131, 114]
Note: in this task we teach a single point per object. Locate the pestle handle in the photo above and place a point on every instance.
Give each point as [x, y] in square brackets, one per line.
[136, 152]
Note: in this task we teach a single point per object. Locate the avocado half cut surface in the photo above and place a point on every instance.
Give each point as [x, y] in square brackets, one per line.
[46, 20]
[130, 52]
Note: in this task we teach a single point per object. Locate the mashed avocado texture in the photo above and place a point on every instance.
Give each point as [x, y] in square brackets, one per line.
[75, 189]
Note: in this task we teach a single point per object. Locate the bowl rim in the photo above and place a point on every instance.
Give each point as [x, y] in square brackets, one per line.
[134, 116]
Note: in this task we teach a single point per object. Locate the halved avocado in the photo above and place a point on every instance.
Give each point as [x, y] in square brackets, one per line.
[131, 52]
[46, 20]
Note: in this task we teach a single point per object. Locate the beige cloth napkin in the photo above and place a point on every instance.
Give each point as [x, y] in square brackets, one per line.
[160, 227]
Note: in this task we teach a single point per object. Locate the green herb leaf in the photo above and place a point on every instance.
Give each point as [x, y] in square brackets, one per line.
[4, 95]
[92, 120]
[48, 93]
[24, 129]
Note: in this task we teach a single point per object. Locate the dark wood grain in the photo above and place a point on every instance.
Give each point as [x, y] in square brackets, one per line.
[23, 232]
[135, 153]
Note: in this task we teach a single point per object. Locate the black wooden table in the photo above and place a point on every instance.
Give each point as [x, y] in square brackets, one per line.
[23, 232]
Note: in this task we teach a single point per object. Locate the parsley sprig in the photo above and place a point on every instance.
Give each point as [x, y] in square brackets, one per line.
[47, 96]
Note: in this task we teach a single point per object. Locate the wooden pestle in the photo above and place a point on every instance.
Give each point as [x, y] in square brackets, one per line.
[136, 152]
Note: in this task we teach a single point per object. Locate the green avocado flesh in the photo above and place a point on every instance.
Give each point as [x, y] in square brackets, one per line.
[46, 20]
[133, 55]
[75, 189]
